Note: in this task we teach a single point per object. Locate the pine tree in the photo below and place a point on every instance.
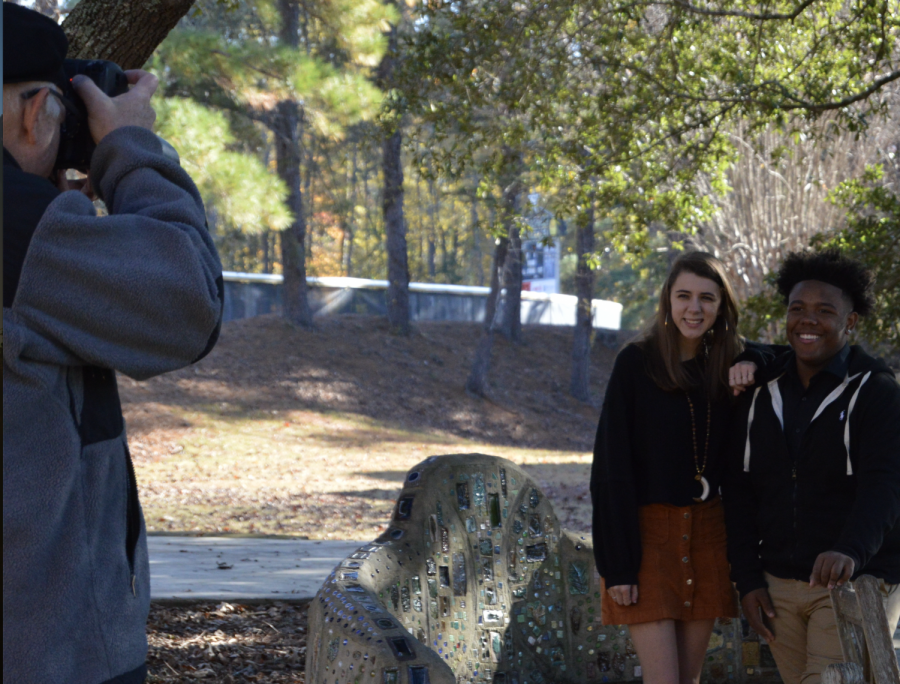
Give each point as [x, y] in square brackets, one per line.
[295, 69]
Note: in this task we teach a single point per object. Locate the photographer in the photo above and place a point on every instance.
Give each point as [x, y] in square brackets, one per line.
[139, 292]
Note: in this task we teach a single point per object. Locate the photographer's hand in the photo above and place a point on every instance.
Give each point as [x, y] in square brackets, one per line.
[83, 185]
[106, 114]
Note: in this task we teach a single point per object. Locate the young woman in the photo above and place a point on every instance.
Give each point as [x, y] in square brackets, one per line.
[658, 526]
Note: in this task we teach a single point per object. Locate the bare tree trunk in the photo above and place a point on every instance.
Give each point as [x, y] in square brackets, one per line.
[395, 228]
[351, 218]
[267, 266]
[454, 255]
[286, 127]
[580, 385]
[370, 227]
[445, 254]
[511, 326]
[348, 264]
[477, 264]
[477, 381]
[512, 283]
[508, 262]
[432, 231]
[124, 31]
[420, 231]
[490, 308]
[392, 205]
[432, 260]
[307, 183]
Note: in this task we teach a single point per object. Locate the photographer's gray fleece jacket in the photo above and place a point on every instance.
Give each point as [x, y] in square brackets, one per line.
[138, 292]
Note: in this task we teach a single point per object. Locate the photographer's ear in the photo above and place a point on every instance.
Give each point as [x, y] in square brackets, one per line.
[35, 116]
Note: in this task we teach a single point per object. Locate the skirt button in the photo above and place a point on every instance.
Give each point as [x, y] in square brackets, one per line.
[687, 604]
[685, 537]
[687, 515]
[684, 560]
[690, 581]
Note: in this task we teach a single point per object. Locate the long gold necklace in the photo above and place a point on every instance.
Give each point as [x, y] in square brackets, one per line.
[700, 469]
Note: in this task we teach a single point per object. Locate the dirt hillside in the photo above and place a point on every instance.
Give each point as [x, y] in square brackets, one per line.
[282, 430]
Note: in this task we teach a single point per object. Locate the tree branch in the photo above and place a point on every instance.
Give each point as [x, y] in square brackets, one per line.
[840, 104]
[123, 31]
[767, 16]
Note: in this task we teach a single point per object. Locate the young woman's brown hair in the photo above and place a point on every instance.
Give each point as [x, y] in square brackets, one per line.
[721, 344]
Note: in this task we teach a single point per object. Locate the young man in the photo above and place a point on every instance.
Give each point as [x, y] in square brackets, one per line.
[138, 292]
[814, 491]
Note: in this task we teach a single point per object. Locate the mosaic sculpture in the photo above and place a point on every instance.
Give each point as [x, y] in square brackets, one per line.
[474, 581]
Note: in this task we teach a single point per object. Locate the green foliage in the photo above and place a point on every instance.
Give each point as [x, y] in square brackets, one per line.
[244, 195]
[630, 102]
[631, 279]
[872, 236]
[763, 315]
[226, 71]
[248, 71]
[624, 103]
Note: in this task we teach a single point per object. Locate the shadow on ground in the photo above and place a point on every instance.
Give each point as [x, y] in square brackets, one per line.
[353, 365]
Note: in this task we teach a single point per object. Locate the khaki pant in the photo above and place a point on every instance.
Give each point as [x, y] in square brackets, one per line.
[806, 638]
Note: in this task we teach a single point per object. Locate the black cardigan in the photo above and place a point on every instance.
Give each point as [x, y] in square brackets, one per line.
[643, 454]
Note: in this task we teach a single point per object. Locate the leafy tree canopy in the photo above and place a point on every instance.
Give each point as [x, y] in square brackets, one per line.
[630, 100]
[236, 61]
[873, 236]
[246, 196]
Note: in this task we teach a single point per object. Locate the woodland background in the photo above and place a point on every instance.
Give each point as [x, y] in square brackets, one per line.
[414, 140]
[405, 140]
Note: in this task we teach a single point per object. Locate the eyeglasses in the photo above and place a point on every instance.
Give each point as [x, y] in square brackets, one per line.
[71, 109]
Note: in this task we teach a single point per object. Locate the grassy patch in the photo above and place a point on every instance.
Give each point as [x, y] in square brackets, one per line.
[319, 475]
[287, 431]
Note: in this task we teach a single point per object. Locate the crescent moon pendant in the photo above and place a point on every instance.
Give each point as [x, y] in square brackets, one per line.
[705, 490]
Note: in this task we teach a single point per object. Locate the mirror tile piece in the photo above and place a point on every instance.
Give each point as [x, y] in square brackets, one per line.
[404, 508]
[478, 490]
[495, 510]
[462, 496]
[459, 574]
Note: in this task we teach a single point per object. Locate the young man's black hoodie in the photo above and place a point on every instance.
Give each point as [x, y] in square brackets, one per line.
[837, 488]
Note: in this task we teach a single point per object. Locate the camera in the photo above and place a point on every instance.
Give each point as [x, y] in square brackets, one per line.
[76, 144]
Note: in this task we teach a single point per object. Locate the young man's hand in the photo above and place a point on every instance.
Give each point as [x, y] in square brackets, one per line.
[106, 114]
[741, 376]
[831, 569]
[756, 604]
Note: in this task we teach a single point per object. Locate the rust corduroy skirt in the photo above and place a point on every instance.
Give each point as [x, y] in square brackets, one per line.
[684, 571]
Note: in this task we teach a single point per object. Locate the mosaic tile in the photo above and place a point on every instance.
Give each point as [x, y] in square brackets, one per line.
[518, 602]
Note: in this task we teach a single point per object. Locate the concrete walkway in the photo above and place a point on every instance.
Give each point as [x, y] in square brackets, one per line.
[241, 568]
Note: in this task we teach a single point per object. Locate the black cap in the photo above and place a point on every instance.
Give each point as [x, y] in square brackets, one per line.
[34, 46]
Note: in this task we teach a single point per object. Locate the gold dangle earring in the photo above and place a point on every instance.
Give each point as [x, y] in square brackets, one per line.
[667, 319]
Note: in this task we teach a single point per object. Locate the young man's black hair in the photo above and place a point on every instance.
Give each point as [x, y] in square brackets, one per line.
[832, 267]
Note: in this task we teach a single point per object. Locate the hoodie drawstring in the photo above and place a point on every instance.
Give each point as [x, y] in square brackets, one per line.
[778, 408]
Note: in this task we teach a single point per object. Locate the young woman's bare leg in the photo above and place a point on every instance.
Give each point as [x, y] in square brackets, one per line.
[693, 640]
[657, 649]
